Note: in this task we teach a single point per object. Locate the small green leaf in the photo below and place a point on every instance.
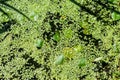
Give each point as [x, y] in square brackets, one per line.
[59, 60]
[115, 16]
[68, 52]
[68, 33]
[82, 62]
[39, 43]
[78, 48]
[56, 36]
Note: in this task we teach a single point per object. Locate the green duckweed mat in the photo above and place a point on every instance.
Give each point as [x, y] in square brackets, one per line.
[63, 40]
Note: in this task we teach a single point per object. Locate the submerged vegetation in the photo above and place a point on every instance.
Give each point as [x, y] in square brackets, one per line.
[59, 39]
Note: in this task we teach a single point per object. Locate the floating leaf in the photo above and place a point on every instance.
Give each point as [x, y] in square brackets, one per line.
[59, 60]
[56, 36]
[115, 16]
[78, 48]
[68, 33]
[39, 43]
[68, 52]
[82, 62]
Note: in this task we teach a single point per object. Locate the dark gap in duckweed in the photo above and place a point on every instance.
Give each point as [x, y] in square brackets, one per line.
[88, 10]
[16, 76]
[25, 56]
[112, 58]
[11, 56]
[106, 5]
[46, 57]
[101, 67]
[7, 58]
[96, 13]
[4, 37]
[7, 25]
[48, 72]
[54, 79]
[83, 77]
[15, 36]
[88, 38]
[34, 78]
[46, 67]
[20, 49]
[106, 51]
[104, 32]
[47, 35]
[11, 45]
[54, 26]
[13, 49]
[4, 62]
[2, 77]
[52, 16]
[31, 62]
[20, 74]
[70, 22]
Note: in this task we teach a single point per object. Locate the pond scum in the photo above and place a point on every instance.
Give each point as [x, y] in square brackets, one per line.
[66, 40]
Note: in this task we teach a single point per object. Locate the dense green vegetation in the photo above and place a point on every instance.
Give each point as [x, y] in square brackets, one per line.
[59, 40]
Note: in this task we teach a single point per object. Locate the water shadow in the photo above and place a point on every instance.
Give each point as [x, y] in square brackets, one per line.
[3, 3]
[97, 13]
[6, 25]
